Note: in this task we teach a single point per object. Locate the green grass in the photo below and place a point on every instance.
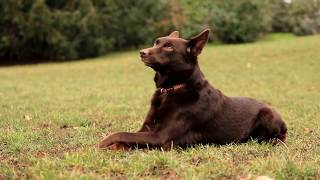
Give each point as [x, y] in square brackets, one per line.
[51, 115]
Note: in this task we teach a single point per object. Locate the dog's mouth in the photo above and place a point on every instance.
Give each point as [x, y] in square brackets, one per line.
[151, 62]
[147, 62]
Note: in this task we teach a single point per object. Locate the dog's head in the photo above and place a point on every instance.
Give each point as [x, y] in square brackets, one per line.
[174, 54]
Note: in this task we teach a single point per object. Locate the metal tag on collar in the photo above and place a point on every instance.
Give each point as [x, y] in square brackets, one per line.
[170, 89]
[166, 90]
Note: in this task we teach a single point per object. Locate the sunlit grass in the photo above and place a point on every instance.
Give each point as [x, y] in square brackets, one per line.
[51, 115]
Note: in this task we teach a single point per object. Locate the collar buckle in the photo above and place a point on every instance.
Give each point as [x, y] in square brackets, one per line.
[171, 89]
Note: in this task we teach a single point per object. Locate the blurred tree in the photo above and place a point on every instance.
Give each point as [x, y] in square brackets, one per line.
[306, 17]
[197, 16]
[280, 13]
[38, 32]
[231, 21]
[11, 23]
[73, 29]
[240, 21]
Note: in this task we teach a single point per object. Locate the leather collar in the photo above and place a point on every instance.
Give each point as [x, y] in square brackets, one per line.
[171, 89]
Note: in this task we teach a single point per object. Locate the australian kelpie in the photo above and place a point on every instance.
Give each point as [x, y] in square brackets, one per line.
[187, 110]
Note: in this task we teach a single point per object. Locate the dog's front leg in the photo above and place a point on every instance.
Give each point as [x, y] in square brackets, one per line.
[131, 138]
[148, 124]
[167, 137]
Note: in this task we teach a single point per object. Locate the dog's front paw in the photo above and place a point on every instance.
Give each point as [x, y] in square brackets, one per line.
[114, 146]
[118, 146]
[111, 143]
[104, 144]
[107, 141]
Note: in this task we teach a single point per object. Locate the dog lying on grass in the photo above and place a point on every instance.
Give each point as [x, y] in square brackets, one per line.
[187, 110]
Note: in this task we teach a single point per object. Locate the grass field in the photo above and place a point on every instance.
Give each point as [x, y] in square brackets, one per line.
[51, 115]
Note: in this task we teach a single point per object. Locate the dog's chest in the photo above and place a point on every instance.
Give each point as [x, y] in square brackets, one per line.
[170, 106]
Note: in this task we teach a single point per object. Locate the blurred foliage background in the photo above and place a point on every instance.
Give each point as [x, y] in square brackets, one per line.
[60, 30]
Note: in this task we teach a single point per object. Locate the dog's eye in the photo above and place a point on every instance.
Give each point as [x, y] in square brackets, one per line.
[156, 42]
[168, 46]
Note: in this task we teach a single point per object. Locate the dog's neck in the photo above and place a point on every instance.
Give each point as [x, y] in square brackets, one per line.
[190, 77]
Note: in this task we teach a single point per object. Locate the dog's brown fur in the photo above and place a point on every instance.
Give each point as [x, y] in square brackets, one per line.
[197, 113]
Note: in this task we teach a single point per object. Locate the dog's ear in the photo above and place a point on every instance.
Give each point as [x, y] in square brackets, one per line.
[196, 44]
[174, 34]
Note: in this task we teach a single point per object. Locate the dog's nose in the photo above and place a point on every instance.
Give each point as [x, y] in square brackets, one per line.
[144, 53]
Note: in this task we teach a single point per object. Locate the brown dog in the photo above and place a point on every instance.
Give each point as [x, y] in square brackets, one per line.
[186, 109]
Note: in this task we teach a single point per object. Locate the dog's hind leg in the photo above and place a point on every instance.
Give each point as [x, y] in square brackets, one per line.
[269, 126]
